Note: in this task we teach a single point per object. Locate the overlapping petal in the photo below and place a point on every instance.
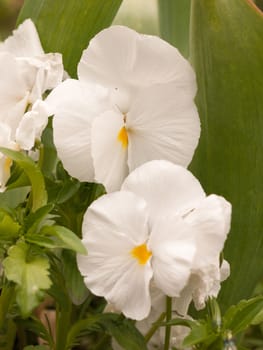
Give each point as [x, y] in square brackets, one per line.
[173, 247]
[164, 123]
[166, 187]
[75, 105]
[109, 154]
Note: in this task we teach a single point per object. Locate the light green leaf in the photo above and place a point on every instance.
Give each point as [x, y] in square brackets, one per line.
[66, 238]
[174, 18]
[239, 317]
[29, 270]
[39, 195]
[9, 228]
[68, 26]
[227, 53]
[12, 198]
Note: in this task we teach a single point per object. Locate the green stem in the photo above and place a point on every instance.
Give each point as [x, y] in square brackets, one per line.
[7, 326]
[62, 326]
[154, 327]
[8, 338]
[168, 318]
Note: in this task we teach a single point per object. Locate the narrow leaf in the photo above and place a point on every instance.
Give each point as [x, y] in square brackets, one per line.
[68, 238]
[240, 316]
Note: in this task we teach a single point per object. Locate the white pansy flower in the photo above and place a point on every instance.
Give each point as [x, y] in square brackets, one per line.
[26, 73]
[5, 162]
[151, 230]
[210, 216]
[146, 113]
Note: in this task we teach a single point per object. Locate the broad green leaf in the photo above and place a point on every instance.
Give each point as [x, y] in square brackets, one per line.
[123, 330]
[66, 238]
[34, 173]
[12, 198]
[74, 281]
[227, 54]
[174, 18]
[29, 270]
[242, 315]
[68, 26]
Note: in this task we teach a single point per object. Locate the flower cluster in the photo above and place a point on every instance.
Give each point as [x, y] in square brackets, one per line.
[129, 122]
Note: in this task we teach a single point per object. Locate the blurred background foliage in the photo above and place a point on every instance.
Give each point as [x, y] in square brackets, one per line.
[137, 14]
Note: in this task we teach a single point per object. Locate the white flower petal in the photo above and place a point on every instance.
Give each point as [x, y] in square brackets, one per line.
[75, 105]
[166, 187]
[24, 42]
[113, 225]
[109, 154]
[173, 247]
[119, 56]
[13, 91]
[211, 222]
[31, 126]
[48, 73]
[164, 124]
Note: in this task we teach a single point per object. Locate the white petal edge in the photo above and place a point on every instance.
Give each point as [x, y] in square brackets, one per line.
[24, 41]
[166, 187]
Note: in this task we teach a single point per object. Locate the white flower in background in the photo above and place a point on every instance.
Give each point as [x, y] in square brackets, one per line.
[26, 74]
[133, 102]
[160, 227]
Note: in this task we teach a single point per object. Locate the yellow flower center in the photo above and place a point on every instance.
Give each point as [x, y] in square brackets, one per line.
[123, 137]
[141, 253]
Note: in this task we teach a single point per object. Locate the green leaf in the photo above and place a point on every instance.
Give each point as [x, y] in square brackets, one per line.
[242, 315]
[9, 228]
[200, 332]
[36, 347]
[29, 270]
[174, 18]
[34, 220]
[68, 26]
[123, 330]
[34, 173]
[12, 198]
[66, 238]
[33, 325]
[227, 57]
[74, 281]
